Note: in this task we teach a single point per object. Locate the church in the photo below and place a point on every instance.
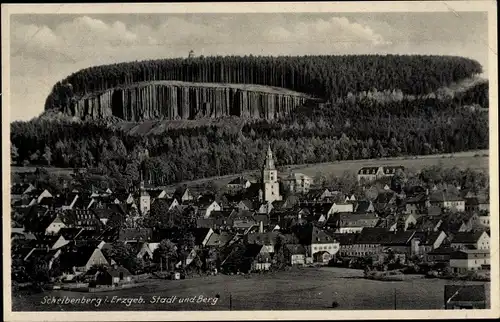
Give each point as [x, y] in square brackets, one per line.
[270, 190]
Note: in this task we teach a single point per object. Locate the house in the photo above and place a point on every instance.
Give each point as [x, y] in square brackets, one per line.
[265, 208]
[385, 201]
[428, 223]
[425, 242]
[246, 258]
[459, 297]
[465, 260]
[404, 222]
[135, 234]
[298, 183]
[417, 204]
[184, 195]
[448, 201]
[366, 243]
[44, 194]
[400, 243]
[110, 276]
[346, 242]
[439, 255]
[477, 204]
[158, 194]
[347, 223]
[219, 239]
[482, 221]
[205, 209]
[364, 206]
[56, 225]
[341, 207]
[239, 183]
[318, 194]
[141, 249]
[295, 254]
[81, 218]
[79, 260]
[368, 174]
[245, 205]
[321, 246]
[467, 240]
[266, 239]
[48, 255]
[18, 190]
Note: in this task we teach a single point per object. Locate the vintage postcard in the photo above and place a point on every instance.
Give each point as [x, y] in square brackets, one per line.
[239, 161]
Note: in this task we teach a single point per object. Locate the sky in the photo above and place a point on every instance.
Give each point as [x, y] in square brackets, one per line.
[45, 48]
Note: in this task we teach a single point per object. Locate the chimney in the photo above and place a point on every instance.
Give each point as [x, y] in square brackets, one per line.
[261, 227]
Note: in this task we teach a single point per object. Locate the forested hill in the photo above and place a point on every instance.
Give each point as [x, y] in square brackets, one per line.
[378, 124]
[324, 77]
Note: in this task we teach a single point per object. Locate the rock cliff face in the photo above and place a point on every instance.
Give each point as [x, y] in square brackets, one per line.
[178, 100]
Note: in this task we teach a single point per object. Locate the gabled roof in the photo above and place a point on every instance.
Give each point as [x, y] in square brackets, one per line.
[400, 238]
[362, 206]
[466, 237]
[267, 238]
[385, 197]
[309, 234]
[371, 236]
[428, 238]
[142, 234]
[77, 256]
[465, 293]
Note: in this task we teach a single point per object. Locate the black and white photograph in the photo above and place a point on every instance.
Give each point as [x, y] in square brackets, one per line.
[270, 160]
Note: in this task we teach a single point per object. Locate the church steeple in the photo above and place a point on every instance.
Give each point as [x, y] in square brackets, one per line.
[270, 178]
[269, 162]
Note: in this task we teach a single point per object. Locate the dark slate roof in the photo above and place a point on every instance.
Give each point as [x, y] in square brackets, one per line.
[19, 188]
[309, 234]
[466, 237]
[69, 233]
[465, 293]
[384, 197]
[356, 220]
[363, 205]
[442, 250]
[345, 239]
[78, 256]
[252, 250]
[398, 239]
[267, 238]
[427, 238]
[142, 234]
[371, 236]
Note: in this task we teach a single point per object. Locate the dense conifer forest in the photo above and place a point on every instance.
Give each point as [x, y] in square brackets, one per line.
[365, 125]
[326, 77]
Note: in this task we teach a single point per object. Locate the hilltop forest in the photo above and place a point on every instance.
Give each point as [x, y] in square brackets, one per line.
[364, 124]
[325, 77]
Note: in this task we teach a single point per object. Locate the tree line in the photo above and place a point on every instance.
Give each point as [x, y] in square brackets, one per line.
[321, 76]
[345, 130]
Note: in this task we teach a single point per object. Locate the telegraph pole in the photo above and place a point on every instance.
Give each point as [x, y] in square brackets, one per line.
[230, 302]
[395, 307]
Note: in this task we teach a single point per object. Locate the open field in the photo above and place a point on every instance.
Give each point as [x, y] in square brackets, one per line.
[299, 289]
[478, 160]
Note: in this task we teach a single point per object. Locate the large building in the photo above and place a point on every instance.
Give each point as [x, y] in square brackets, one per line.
[374, 173]
[298, 182]
[270, 184]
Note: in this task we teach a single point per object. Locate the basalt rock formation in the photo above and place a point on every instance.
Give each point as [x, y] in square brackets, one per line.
[173, 100]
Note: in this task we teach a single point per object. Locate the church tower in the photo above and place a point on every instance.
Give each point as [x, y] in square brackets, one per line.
[144, 199]
[271, 190]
